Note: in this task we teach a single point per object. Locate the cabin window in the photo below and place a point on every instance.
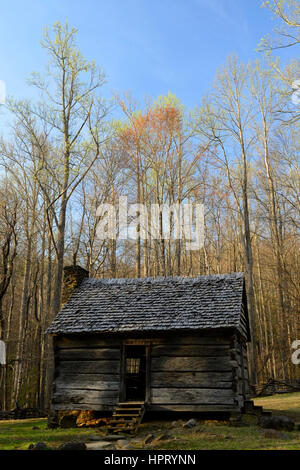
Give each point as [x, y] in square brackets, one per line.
[132, 365]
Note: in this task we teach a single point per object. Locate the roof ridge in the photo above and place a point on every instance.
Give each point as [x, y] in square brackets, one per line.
[180, 279]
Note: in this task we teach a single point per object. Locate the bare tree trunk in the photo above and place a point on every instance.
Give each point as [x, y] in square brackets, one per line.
[22, 323]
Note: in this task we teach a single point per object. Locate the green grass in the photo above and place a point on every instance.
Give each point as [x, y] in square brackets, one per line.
[208, 435]
[286, 404]
[220, 436]
[211, 435]
[18, 434]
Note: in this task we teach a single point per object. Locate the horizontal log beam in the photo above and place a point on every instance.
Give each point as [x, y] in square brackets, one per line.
[192, 396]
[192, 379]
[208, 350]
[89, 367]
[82, 406]
[81, 382]
[85, 354]
[194, 408]
[201, 339]
[73, 397]
[193, 364]
[87, 341]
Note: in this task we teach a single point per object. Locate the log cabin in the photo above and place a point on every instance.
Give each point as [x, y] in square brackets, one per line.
[174, 344]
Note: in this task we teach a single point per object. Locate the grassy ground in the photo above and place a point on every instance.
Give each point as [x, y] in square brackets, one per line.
[18, 434]
[286, 404]
[206, 435]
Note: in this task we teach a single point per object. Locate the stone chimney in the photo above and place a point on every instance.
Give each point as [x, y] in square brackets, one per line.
[73, 277]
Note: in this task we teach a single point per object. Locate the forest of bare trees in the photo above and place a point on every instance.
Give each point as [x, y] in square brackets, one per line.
[236, 152]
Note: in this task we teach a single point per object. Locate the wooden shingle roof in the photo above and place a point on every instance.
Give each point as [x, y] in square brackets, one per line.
[160, 304]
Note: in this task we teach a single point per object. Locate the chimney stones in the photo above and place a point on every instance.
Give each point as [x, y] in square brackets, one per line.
[73, 277]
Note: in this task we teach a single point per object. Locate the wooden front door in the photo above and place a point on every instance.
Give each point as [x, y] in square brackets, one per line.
[135, 372]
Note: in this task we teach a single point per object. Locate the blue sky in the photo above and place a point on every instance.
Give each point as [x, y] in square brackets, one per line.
[147, 46]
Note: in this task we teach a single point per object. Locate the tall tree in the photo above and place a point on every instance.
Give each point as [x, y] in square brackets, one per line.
[68, 110]
[288, 34]
[225, 120]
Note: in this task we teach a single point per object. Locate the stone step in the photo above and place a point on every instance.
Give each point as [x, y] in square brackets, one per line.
[128, 409]
[126, 417]
[258, 409]
[129, 403]
[122, 420]
[121, 429]
[250, 408]
[249, 404]
[266, 413]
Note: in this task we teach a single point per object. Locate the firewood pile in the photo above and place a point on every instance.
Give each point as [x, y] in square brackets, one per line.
[87, 418]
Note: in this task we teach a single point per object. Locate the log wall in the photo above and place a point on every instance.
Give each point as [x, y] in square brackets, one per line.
[207, 372]
[87, 373]
[196, 373]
